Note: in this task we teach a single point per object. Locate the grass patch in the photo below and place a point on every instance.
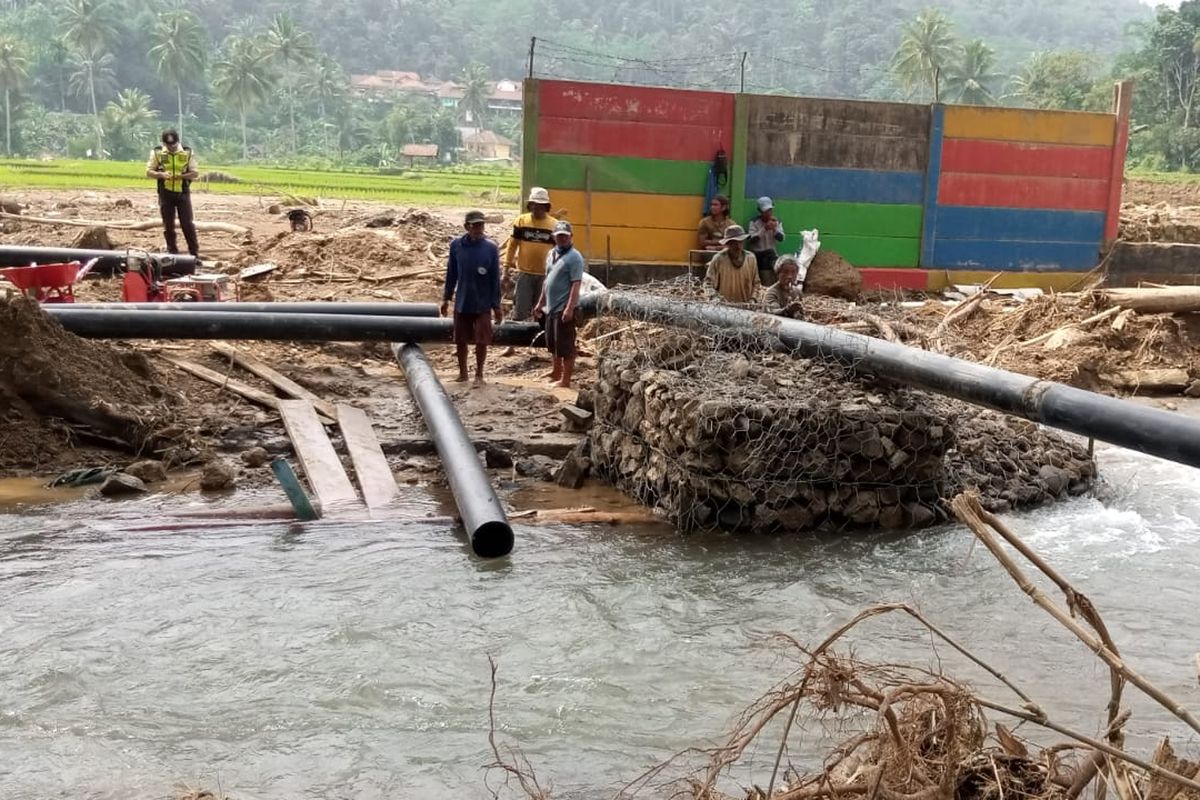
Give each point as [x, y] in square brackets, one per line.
[455, 185]
[1163, 177]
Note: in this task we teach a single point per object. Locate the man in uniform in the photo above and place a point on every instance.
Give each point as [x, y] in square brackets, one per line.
[174, 167]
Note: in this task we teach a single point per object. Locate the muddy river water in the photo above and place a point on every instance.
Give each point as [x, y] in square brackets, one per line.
[350, 660]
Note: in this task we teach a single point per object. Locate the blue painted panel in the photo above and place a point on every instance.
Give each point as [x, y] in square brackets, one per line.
[1015, 256]
[1018, 224]
[840, 185]
[933, 173]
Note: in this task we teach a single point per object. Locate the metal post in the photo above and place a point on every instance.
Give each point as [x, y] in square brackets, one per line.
[480, 509]
[742, 90]
[1148, 430]
[532, 45]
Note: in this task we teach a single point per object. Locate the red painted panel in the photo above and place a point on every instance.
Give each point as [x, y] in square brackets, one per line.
[1020, 158]
[633, 139]
[577, 100]
[894, 278]
[1010, 191]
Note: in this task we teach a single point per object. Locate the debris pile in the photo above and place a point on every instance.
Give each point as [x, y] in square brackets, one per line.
[765, 443]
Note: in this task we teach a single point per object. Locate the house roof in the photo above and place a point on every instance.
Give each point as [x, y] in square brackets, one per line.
[419, 150]
[487, 137]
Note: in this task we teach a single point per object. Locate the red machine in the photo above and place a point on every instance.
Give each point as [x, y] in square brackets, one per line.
[46, 283]
[144, 283]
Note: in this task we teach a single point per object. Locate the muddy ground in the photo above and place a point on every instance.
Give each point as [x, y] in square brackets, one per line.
[372, 252]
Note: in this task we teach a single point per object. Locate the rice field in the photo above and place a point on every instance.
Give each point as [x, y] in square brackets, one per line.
[490, 185]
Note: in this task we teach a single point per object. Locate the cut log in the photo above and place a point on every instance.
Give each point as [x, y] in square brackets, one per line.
[232, 384]
[1146, 381]
[370, 464]
[272, 376]
[1175, 300]
[126, 225]
[326, 476]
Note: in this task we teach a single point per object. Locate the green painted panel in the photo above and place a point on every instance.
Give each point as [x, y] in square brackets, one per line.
[865, 251]
[855, 219]
[613, 174]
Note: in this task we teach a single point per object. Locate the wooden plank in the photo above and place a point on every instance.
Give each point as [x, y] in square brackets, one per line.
[370, 464]
[1023, 158]
[1058, 281]
[1027, 125]
[1019, 224]
[606, 101]
[275, 378]
[225, 382]
[839, 150]
[1013, 191]
[326, 476]
[831, 115]
[633, 139]
[625, 209]
[861, 219]
[839, 185]
[870, 251]
[616, 174]
[636, 244]
[889, 279]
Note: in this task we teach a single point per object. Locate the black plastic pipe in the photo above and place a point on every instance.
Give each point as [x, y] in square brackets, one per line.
[368, 309]
[123, 324]
[480, 509]
[109, 261]
[1147, 430]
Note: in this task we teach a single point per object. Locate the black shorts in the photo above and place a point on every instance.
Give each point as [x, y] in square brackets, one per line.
[472, 328]
[560, 336]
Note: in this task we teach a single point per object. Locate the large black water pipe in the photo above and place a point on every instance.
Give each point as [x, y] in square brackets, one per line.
[124, 324]
[480, 509]
[369, 309]
[110, 261]
[1153, 431]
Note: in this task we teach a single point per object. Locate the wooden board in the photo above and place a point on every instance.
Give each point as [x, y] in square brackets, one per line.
[232, 384]
[275, 378]
[612, 174]
[326, 476]
[609, 101]
[838, 185]
[370, 464]
[1027, 125]
[1016, 191]
[632, 139]
[1020, 158]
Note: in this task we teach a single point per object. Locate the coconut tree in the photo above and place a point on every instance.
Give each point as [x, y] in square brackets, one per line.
[178, 53]
[326, 84]
[292, 49]
[89, 26]
[92, 73]
[14, 70]
[926, 49]
[970, 77]
[476, 87]
[243, 78]
[129, 121]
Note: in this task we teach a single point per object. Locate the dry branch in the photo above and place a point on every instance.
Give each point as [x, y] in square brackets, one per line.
[126, 225]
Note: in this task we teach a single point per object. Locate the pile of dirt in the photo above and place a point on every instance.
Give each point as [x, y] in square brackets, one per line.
[1160, 223]
[831, 275]
[58, 391]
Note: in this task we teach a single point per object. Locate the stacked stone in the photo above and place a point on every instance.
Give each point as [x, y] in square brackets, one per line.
[717, 440]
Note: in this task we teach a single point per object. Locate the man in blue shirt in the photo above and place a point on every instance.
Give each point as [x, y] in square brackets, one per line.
[560, 294]
[473, 282]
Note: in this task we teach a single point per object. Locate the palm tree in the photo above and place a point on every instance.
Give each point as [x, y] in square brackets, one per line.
[129, 120]
[476, 87]
[89, 26]
[178, 53]
[93, 71]
[969, 77]
[14, 70]
[243, 79]
[327, 85]
[293, 49]
[926, 49]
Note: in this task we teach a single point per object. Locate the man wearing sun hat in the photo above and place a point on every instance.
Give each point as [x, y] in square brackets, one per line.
[526, 250]
[766, 231]
[565, 267]
[733, 272]
[473, 283]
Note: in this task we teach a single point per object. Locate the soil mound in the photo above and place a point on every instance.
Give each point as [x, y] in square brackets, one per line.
[830, 274]
[57, 390]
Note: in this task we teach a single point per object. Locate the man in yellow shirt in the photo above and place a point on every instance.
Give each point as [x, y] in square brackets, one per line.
[733, 273]
[526, 250]
[174, 167]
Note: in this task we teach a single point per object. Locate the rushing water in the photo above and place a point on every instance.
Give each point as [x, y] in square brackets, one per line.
[350, 660]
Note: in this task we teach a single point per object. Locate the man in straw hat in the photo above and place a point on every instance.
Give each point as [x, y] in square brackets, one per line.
[525, 252]
[733, 272]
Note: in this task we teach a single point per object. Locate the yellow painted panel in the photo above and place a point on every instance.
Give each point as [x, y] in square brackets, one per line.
[1026, 125]
[624, 209]
[634, 244]
[1046, 281]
